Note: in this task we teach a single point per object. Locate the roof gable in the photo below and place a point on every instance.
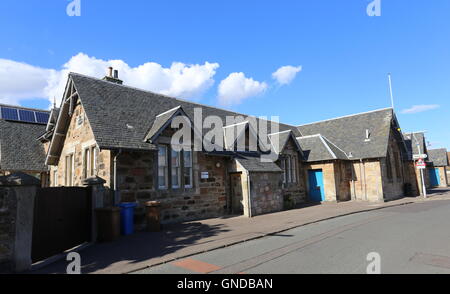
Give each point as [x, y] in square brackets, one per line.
[161, 122]
[235, 132]
[318, 148]
[280, 140]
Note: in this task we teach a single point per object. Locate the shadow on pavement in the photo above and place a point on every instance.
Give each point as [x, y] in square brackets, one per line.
[138, 247]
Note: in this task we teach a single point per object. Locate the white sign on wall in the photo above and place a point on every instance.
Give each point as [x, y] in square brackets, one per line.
[205, 175]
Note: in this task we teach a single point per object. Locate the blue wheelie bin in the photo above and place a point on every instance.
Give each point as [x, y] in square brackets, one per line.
[126, 217]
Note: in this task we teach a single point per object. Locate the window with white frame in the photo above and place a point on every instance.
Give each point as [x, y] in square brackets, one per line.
[187, 162]
[175, 169]
[69, 170]
[94, 156]
[90, 161]
[162, 167]
[55, 177]
[86, 162]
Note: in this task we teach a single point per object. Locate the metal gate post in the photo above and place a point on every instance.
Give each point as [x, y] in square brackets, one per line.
[97, 191]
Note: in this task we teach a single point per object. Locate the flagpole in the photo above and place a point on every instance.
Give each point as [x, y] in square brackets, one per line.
[390, 90]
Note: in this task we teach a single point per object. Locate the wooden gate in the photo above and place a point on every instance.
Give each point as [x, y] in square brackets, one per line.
[62, 220]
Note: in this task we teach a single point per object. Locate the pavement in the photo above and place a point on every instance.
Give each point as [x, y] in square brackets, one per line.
[180, 241]
[406, 239]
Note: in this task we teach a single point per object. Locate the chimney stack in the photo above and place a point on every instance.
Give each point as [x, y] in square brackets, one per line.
[113, 78]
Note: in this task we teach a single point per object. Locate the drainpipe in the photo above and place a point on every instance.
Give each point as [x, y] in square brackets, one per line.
[116, 190]
[353, 195]
[361, 177]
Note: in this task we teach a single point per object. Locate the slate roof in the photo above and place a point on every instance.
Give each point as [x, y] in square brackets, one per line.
[411, 140]
[122, 116]
[254, 164]
[19, 148]
[349, 133]
[438, 157]
[319, 148]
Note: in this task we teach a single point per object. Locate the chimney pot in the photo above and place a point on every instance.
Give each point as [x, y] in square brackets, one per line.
[113, 76]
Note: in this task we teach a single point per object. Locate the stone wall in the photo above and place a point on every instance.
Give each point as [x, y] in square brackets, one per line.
[393, 187]
[367, 184]
[343, 177]
[208, 197]
[79, 136]
[329, 178]
[17, 194]
[265, 193]
[8, 211]
[411, 177]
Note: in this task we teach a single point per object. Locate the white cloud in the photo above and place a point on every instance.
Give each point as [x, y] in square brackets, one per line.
[236, 87]
[286, 74]
[420, 108]
[21, 81]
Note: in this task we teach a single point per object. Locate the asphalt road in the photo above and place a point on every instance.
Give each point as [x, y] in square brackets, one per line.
[408, 239]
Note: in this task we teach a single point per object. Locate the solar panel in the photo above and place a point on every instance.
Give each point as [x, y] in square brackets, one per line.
[27, 116]
[42, 117]
[9, 113]
[24, 115]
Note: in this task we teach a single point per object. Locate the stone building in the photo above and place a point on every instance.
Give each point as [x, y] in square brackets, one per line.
[356, 157]
[437, 167]
[416, 145]
[20, 151]
[124, 135]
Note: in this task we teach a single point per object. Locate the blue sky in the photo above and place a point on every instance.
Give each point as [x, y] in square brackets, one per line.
[344, 54]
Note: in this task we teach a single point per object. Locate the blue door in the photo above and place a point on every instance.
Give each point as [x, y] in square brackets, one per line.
[316, 189]
[435, 178]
